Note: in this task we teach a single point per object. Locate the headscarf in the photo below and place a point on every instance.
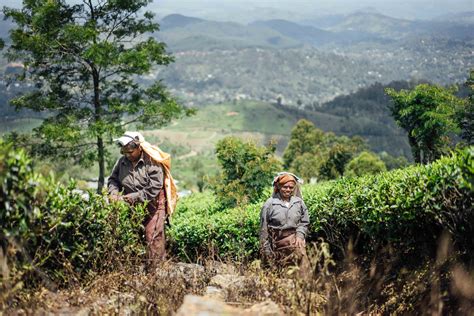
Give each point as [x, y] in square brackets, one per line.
[285, 177]
[159, 156]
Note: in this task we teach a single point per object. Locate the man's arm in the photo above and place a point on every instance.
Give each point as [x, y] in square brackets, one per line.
[113, 183]
[152, 189]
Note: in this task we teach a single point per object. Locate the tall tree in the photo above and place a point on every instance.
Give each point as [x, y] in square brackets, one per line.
[246, 170]
[304, 138]
[365, 163]
[86, 60]
[465, 115]
[427, 114]
[312, 153]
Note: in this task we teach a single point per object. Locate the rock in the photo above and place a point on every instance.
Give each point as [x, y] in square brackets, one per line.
[215, 292]
[217, 267]
[226, 281]
[198, 305]
[190, 268]
[267, 307]
[188, 271]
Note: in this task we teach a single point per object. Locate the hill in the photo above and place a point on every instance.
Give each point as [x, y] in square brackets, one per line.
[182, 33]
[310, 75]
[374, 23]
[303, 64]
[460, 18]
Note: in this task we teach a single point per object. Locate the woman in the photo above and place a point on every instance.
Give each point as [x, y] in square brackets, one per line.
[284, 221]
[142, 175]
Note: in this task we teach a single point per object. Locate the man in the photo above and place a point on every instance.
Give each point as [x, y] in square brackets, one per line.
[137, 178]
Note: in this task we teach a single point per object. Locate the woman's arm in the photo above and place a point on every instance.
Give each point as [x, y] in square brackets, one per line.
[303, 225]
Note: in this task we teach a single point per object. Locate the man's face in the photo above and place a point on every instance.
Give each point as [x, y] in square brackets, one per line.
[131, 151]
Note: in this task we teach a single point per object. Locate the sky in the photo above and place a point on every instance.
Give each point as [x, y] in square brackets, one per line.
[249, 10]
[241, 10]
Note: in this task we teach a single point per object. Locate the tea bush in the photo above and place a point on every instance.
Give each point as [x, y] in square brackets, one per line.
[56, 233]
[407, 207]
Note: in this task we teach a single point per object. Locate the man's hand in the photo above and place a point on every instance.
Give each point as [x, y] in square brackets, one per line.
[115, 198]
[299, 242]
[128, 199]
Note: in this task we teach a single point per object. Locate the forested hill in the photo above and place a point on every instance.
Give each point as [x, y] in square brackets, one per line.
[365, 113]
[183, 33]
[307, 63]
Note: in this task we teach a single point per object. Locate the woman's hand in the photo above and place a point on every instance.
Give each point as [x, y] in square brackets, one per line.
[299, 242]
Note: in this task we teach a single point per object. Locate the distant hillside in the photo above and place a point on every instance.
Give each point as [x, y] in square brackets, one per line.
[177, 20]
[182, 34]
[303, 33]
[457, 26]
[374, 23]
[309, 76]
[461, 18]
[5, 26]
[324, 21]
[364, 113]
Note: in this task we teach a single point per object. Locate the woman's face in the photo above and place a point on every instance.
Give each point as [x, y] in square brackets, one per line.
[287, 189]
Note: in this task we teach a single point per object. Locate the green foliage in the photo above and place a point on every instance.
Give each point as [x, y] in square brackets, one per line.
[392, 162]
[312, 153]
[304, 138]
[232, 234]
[408, 208]
[246, 170]
[84, 60]
[340, 153]
[427, 114]
[53, 233]
[467, 168]
[365, 163]
[465, 114]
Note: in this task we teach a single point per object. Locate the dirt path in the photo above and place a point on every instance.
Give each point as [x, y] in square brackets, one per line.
[192, 153]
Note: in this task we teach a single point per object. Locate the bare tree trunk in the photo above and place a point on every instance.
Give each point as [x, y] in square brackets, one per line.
[100, 147]
[415, 149]
[100, 140]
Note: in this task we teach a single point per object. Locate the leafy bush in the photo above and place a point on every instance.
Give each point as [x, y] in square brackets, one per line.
[365, 163]
[407, 207]
[312, 153]
[246, 170]
[53, 232]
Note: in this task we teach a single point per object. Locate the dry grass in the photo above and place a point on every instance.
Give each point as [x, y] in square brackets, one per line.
[354, 286]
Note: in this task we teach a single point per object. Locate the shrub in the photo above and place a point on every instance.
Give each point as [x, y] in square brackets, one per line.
[365, 163]
[52, 232]
[406, 207]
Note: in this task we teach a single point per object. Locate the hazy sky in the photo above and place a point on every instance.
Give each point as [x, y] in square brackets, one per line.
[249, 10]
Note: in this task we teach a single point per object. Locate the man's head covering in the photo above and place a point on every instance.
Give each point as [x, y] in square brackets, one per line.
[129, 137]
[159, 156]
